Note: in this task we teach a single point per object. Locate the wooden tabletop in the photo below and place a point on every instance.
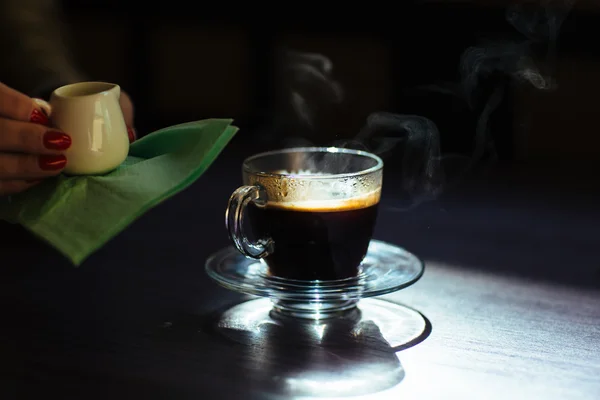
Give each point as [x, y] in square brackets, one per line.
[509, 307]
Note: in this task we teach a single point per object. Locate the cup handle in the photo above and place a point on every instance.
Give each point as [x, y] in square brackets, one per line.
[234, 218]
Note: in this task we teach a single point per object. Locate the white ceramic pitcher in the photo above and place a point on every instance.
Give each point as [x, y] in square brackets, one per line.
[90, 113]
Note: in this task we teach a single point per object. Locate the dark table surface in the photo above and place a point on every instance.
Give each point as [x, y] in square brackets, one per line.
[510, 296]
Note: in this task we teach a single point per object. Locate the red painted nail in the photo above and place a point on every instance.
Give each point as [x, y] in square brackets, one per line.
[54, 140]
[52, 163]
[39, 117]
[132, 135]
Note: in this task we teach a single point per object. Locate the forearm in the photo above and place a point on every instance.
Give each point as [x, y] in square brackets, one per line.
[35, 57]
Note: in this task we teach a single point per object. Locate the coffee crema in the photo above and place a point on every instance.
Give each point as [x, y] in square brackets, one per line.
[317, 239]
[330, 205]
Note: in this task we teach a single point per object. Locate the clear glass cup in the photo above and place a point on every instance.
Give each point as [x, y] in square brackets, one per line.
[312, 210]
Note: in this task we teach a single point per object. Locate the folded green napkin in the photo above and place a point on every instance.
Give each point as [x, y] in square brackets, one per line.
[79, 214]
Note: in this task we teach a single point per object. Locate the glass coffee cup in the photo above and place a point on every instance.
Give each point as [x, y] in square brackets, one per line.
[311, 211]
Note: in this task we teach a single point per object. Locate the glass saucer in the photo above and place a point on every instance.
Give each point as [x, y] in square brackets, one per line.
[386, 268]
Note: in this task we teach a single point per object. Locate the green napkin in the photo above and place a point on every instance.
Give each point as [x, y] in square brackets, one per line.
[78, 215]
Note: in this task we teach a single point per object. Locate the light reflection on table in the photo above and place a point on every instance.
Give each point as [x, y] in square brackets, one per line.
[504, 336]
[355, 354]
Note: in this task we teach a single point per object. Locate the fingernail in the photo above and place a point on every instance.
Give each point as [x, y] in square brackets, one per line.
[132, 134]
[52, 163]
[57, 140]
[39, 117]
[44, 106]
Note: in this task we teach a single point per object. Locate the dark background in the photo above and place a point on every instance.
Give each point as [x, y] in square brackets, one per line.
[184, 61]
[129, 323]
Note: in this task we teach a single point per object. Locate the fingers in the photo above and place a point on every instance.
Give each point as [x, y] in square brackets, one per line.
[132, 134]
[30, 167]
[29, 151]
[25, 137]
[14, 187]
[128, 112]
[127, 108]
[17, 106]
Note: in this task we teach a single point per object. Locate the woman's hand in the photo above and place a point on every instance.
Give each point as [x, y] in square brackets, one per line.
[128, 110]
[29, 149]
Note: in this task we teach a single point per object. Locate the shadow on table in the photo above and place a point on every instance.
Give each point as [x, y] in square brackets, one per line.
[354, 354]
[213, 357]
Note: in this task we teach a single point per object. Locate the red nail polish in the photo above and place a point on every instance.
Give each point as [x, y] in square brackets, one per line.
[52, 163]
[57, 140]
[39, 117]
[131, 134]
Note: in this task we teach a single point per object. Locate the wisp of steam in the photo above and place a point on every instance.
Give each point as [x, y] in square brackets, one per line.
[520, 61]
[310, 83]
[424, 174]
[419, 138]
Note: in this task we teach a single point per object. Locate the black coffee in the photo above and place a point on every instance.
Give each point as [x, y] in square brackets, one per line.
[316, 243]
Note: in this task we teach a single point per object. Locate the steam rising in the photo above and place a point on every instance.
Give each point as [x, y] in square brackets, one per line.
[515, 60]
[486, 71]
[507, 58]
[422, 172]
[540, 27]
[309, 82]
